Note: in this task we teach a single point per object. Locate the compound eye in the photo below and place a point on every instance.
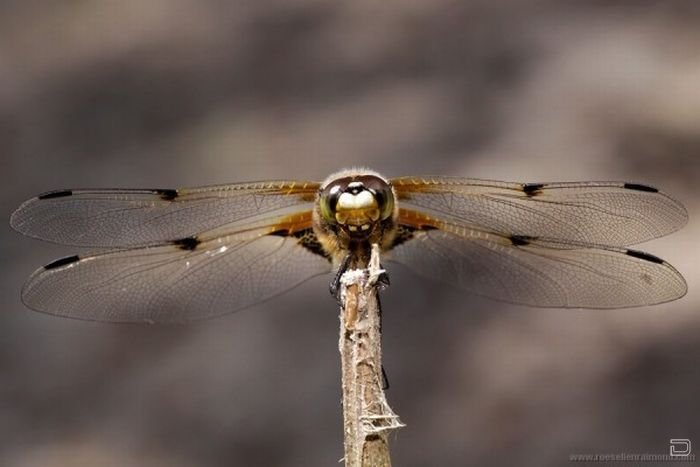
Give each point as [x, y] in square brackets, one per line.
[382, 194]
[328, 201]
[385, 201]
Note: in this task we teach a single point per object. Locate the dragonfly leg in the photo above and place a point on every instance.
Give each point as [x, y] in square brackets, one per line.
[335, 283]
[382, 282]
[383, 279]
[385, 379]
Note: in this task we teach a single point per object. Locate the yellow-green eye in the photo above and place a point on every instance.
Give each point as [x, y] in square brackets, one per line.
[328, 200]
[385, 201]
[382, 193]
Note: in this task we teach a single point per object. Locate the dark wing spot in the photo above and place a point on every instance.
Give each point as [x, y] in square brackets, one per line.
[62, 262]
[640, 187]
[521, 240]
[281, 233]
[166, 194]
[644, 256]
[55, 194]
[532, 189]
[403, 234]
[407, 232]
[307, 239]
[187, 243]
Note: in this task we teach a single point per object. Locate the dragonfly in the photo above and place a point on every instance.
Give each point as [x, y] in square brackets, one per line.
[173, 255]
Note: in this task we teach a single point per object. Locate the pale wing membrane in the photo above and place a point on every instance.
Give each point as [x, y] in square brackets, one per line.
[127, 218]
[171, 284]
[542, 273]
[602, 213]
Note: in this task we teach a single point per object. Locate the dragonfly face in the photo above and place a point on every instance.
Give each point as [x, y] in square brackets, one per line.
[183, 254]
[353, 211]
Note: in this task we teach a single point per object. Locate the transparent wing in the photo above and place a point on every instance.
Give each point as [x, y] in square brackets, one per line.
[599, 213]
[171, 284]
[538, 272]
[127, 218]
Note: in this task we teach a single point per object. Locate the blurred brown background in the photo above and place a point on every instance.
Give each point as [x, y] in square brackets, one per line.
[174, 93]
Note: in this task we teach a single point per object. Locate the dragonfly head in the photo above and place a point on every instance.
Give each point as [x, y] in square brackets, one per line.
[356, 203]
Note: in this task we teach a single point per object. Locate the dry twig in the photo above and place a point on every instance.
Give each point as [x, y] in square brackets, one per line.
[367, 417]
